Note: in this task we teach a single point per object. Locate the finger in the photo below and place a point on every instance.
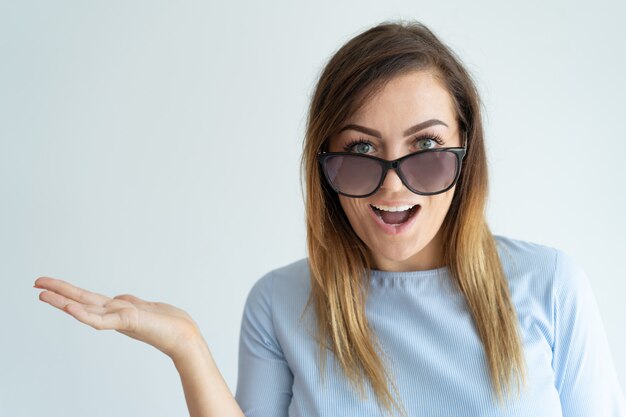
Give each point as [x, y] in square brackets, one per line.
[71, 291]
[61, 302]
[129, 297]
[95, 316]
[55, 299]
[108, 321]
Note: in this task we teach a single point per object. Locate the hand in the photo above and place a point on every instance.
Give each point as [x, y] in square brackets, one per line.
[167, 328]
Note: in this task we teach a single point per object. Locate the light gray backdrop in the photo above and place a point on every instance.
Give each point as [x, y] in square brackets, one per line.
[152, 148]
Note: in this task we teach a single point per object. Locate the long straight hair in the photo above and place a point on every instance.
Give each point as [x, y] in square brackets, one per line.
[339, 260]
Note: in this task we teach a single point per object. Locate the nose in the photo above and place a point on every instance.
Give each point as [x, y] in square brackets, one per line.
[392, 181]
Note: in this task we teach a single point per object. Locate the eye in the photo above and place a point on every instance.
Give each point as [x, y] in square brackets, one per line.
[359, 145]
[430, 141]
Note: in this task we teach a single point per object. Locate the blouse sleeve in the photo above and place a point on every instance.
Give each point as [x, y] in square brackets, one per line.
[264, 379]
[585, 376]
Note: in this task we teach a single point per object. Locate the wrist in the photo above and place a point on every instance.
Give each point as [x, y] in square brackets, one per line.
[192, 349]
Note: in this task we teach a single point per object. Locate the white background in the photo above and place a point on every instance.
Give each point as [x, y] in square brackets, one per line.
[152, 148]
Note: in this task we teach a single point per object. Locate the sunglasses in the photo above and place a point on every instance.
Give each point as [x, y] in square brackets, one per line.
[425, 172]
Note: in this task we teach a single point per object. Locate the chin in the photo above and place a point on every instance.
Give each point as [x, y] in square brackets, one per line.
[412, 251]
[394, 252]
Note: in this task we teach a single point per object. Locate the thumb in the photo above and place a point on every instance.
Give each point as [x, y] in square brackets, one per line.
[138, 302]
[129, 297]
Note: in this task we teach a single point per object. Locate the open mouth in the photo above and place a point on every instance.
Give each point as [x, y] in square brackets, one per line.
[395, 218]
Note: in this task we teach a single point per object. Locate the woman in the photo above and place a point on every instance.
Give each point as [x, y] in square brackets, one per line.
[406, 304]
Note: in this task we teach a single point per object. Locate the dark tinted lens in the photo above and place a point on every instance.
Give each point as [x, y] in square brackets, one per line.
[353, 174]
[430, 172]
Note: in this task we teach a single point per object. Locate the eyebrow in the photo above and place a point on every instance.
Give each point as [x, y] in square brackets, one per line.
[409, 131]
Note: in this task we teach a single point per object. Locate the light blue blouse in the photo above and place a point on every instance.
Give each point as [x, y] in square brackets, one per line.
[432, 346]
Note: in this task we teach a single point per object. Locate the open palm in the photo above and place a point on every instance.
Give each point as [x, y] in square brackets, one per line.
[161, 325]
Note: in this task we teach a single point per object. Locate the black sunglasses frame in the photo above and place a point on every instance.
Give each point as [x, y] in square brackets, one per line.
[387, 165]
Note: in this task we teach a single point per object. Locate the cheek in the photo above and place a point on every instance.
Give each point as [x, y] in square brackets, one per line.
[353, 208]
[440, 204]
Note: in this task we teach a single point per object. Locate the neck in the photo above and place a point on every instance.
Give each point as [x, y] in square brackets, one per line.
[430, 257]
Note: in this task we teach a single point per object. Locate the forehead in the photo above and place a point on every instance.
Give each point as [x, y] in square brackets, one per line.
[406, 99]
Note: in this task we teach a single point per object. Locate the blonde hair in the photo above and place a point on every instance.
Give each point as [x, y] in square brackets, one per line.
[339, 260]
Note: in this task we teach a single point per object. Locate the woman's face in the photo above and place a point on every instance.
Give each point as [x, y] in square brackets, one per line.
[415, 98]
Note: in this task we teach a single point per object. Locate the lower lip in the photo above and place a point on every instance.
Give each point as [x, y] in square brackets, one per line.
[395, 229]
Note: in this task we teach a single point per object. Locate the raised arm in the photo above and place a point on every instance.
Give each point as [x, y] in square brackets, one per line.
[169, 329]
[206, 392]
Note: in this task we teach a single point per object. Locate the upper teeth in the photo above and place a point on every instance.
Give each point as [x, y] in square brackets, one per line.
[389, 208]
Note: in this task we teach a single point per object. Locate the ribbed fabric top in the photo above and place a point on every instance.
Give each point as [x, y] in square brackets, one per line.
[431, 345]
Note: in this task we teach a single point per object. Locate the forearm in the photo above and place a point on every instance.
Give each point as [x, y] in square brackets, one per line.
[206, 392]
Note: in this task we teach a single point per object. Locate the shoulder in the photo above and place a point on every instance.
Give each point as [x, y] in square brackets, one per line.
[275, 300]
[534, 274]
[281, 281]
[543, 279]
[522, 258]
[528, 266]
[531, 272]
[527, 255]
[292, 271]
